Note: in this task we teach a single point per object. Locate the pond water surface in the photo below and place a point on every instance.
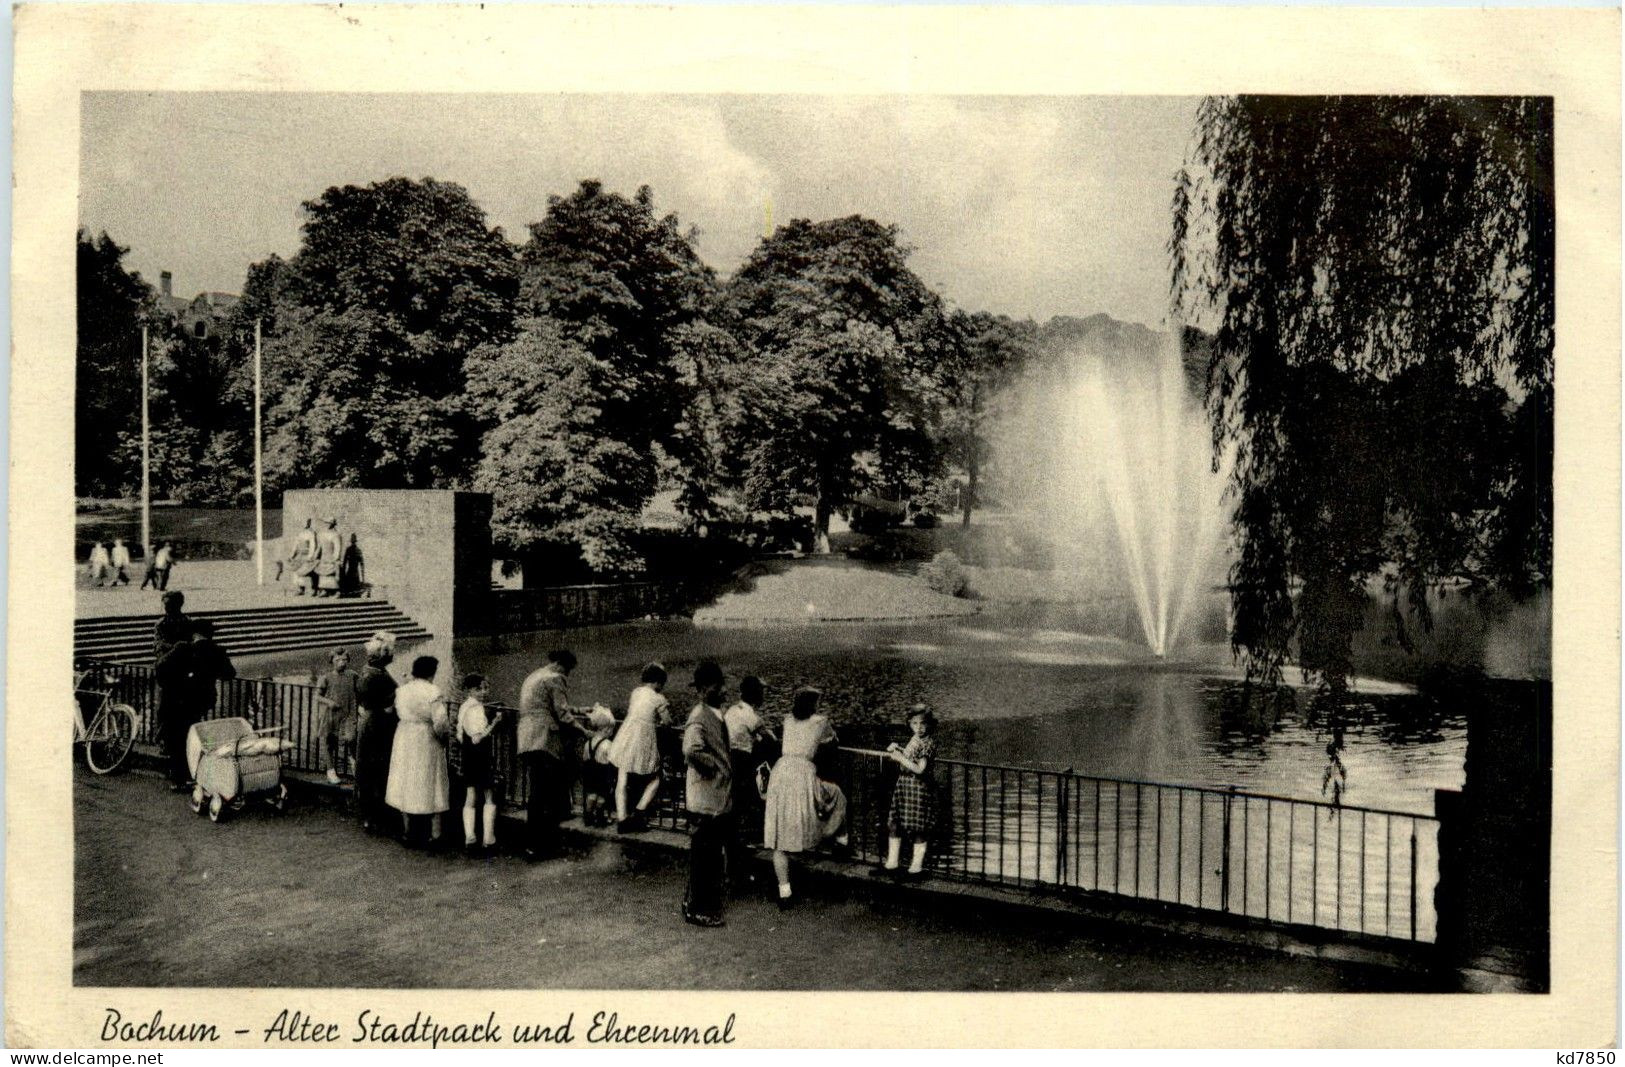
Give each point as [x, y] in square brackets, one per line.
[1022, 689]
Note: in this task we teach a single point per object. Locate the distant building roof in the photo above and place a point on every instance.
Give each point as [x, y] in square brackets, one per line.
[216, 301]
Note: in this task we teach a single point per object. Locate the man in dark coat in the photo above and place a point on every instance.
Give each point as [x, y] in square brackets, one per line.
[210, 664]
[173, 629]
[176, 692]
[709, 795]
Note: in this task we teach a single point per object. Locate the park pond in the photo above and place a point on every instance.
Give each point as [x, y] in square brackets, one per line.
[1028, 687]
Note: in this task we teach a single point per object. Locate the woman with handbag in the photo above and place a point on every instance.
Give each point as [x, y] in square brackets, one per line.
[419, 782]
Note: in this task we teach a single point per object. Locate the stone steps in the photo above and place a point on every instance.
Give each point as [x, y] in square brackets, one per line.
[252, 631]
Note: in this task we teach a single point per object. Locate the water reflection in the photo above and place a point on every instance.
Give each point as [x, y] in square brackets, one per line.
[1029, 693]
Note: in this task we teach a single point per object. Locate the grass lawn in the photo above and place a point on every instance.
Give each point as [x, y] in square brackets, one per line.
[105, 521]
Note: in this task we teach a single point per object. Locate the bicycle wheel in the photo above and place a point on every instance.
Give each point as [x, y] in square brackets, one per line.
[110, 737]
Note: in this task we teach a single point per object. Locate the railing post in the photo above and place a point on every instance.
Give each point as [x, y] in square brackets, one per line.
[1413, 879]
[1062, 790]
[1224, 860]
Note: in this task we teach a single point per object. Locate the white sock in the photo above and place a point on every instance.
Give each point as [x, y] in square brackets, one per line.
[490, 824]
[894, 849]
[918, 863]
[784, 890]
[468, 825]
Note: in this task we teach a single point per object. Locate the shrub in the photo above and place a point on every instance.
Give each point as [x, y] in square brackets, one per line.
[944, 574]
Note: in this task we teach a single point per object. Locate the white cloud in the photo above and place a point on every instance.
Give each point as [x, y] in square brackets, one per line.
[1022, 205]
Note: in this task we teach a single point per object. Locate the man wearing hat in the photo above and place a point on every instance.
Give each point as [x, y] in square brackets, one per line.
[709, 795]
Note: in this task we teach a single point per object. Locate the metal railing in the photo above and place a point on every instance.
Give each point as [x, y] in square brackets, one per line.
[1268, 858]
[1276, 859]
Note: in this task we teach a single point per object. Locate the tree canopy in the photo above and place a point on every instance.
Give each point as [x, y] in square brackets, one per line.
[370, 323]
[112, 305]
[580, 407]
[1377, 273]
[408, 344]
[841, 344]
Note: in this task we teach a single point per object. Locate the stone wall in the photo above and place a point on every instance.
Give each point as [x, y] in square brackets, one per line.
[1493, 896]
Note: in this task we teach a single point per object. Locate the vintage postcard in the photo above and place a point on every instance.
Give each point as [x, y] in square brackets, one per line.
[600, 527]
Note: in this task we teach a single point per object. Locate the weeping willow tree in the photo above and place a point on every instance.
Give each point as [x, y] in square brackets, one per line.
[1377, 273]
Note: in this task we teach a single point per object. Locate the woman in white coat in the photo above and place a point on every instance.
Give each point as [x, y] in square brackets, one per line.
[419, 782]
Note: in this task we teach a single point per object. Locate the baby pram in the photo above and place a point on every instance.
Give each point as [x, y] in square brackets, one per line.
[231, 760]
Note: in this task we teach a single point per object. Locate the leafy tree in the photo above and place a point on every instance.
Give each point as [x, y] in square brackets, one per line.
[988, 351]
[1378, 274]
[367, 330]
[606, 384]
[112, 305]
[564, 492]
[707, 361]
[842, 341]
[624, 283]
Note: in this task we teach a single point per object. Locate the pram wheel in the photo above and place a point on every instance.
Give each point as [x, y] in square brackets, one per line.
[216, 808]
[197, 800]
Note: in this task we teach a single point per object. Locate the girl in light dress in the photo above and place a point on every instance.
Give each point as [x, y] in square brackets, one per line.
[635, 751]
[802, 811]
[419, 782]
[475, 725]
[912, 815]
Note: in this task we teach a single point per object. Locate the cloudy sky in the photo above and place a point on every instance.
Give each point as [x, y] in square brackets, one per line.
[1027, 206]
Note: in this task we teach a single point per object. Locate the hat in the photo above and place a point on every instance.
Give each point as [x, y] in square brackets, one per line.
[708, 673]
[382, 641]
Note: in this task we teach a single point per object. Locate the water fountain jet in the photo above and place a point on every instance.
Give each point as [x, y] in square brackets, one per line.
[1119, 452]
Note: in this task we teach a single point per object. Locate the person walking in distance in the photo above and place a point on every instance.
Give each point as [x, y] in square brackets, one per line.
[101, 564]
[546, 716]
[149, 575]
[121, 562]
[709, 795]
[162, 564]
[375, 732]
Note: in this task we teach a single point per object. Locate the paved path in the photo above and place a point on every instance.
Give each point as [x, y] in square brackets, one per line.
[164, 898]
[209, 585]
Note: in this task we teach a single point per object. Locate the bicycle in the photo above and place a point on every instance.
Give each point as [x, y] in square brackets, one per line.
[110, 734]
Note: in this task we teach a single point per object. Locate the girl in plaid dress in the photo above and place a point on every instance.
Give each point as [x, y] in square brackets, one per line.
[913, 814]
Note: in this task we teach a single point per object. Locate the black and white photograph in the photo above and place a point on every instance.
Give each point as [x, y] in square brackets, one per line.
[909, 542]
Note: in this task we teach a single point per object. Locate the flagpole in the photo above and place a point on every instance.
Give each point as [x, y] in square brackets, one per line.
[259, 498]
[146, 459]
